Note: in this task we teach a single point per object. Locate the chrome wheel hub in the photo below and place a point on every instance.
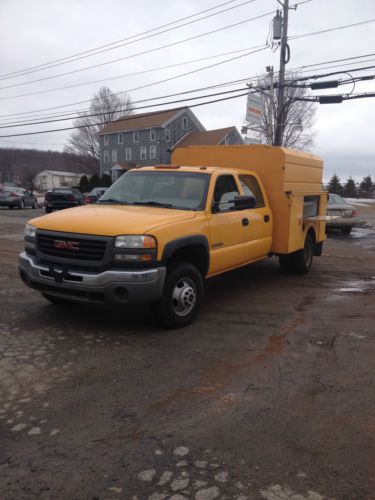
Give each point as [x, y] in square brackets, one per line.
[184, 296]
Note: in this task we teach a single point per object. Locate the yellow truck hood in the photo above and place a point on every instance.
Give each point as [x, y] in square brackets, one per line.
[110, 220]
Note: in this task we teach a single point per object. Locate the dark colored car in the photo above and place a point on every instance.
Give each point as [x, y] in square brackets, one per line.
[17, 197]
[95, 194]
[60, 198]
[346, 216]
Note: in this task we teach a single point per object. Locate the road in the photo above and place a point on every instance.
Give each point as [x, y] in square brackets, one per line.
[268, 395]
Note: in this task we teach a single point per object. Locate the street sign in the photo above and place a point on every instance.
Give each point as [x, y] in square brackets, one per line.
[254, 109]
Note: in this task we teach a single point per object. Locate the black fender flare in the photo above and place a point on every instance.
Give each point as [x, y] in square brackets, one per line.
[185, 241]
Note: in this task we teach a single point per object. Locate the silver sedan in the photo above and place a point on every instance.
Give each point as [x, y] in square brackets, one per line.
[347, 216]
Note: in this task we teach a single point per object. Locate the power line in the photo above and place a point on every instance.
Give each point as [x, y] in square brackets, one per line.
[88, 100]
[193, 71]
[128, 118]
[148, 51]
[91, 115]
[304, 35]
[128, 74]
[218, 85]
[67, 59]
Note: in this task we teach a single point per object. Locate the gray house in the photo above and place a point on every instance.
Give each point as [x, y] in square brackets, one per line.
[149, 139]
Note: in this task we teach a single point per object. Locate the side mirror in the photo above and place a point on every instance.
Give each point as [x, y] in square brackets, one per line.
[244, 202]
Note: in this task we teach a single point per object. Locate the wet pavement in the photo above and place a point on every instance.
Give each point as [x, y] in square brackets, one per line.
[268, 395]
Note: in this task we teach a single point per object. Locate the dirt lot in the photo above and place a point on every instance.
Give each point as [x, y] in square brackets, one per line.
[269, 395]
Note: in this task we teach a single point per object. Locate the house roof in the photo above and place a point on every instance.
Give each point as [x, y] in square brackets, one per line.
[206, 138]
[56, 172]
[146, 120]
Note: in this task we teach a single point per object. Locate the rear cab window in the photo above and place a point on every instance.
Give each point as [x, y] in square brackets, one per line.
[251, 187]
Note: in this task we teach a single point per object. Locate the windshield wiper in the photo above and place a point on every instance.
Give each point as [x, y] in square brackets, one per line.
[113, 201]
[153, 204]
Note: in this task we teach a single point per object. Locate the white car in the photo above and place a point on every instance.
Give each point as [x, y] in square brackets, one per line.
[346, 213]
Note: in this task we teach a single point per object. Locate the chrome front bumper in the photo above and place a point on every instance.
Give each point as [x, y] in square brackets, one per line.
[113, 286]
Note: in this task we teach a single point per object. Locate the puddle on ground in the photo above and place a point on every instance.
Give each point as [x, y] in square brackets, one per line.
[357, 286]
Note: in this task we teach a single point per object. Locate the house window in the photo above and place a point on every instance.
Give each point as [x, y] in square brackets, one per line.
[152, 152]
[143, 153]
[114, 155]
[105, 140]
[128, 154]
[152, 134]
[136, 136]
[184, 123]
[106, 156]
[167, 135]
[121, 138]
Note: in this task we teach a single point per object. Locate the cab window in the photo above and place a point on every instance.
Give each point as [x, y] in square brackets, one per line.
[251, 186]
[225, 191]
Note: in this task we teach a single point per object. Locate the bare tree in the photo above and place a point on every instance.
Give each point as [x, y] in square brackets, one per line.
[107, 107]
[7, 165]
[298, 116]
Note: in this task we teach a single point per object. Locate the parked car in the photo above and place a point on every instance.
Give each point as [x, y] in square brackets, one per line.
[339, 207]
[95, 194]
[59, 198]
[17, 197]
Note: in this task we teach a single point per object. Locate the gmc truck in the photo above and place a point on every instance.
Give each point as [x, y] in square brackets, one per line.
[159, 231]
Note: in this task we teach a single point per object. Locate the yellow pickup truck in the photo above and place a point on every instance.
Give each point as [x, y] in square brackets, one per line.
[159, 231]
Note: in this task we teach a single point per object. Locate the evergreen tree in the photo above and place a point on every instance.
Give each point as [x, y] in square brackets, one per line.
[93, 182]
[105, 180]
[334, 185]
[350, 190]
[366, 187]
[84, 184]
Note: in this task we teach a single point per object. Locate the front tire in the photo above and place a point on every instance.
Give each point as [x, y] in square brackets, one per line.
[346, 230]
[182, 296]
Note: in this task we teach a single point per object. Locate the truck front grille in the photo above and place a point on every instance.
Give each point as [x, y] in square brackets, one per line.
[71, 247]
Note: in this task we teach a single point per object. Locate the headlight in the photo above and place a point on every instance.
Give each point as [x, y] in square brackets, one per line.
[135, 241]
[30, 231]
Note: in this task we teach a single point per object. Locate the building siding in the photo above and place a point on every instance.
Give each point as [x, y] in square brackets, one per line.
[162, 154]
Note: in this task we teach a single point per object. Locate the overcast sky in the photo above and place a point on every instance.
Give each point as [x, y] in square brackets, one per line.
[40, 31]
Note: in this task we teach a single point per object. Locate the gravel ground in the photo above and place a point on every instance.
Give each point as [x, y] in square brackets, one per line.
[269, 395]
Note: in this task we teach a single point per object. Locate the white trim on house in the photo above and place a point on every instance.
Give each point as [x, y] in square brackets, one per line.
[105, 140]
[135, 135]
[120, 136]
[152, 152]
[106, 156]
[143, 153]
[128, 154]
[152, 134]
[114, 155]
[191, 116]
[167, 139]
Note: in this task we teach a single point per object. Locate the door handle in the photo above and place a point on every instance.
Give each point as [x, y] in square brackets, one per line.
[245, 222]
[266, 218]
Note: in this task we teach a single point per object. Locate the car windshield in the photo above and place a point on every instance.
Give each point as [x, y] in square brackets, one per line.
[335, 199]
[178, 190]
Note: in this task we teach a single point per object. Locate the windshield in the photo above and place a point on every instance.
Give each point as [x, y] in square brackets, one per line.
[179, 190]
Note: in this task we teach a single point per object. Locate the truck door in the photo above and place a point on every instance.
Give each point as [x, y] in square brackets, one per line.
[258, 232]
[227, 241]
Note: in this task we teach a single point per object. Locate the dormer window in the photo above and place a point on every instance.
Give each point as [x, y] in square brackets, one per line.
[121, 138]
[167, 135]
[184, 123]
[152, 134]
[136, 136]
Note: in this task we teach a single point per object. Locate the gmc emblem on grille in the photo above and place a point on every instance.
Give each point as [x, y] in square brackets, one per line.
[66, 245]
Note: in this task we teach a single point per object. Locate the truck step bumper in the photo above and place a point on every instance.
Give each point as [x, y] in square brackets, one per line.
[114, 286]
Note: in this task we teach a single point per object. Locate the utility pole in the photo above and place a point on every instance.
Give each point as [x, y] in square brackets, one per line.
[284, 52]
[270, 130]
